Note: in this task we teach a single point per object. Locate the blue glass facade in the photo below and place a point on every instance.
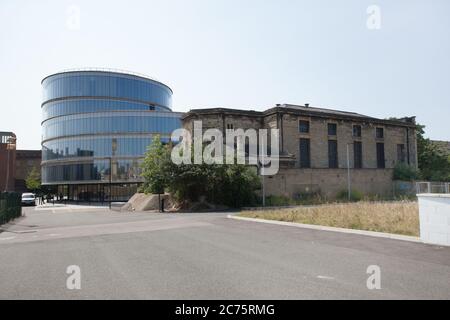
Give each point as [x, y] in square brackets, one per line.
[96, 127]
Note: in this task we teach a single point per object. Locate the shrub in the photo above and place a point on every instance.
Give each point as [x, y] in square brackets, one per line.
[306, 198]
[10, 206]
[405, 172]
[279, 201]
[354, 195]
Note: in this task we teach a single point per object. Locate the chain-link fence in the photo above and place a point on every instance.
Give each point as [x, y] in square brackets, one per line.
[10, 206]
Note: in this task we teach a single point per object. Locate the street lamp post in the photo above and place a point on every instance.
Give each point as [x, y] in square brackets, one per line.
[349, 183]
[262, 172]
[263, 192]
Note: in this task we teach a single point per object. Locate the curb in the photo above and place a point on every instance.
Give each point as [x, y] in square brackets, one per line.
[332, 229]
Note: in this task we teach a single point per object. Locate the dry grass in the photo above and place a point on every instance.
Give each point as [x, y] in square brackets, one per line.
[400, 217]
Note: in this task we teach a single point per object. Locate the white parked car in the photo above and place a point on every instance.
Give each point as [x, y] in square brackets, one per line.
[28, 199]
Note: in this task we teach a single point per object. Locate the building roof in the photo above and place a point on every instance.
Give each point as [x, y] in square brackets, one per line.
[222, 110]
[108, 71]
[305, 110]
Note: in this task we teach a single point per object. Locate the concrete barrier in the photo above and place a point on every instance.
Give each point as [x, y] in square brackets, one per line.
[434, 214]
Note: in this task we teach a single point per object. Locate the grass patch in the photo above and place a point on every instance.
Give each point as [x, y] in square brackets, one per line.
[400, 217]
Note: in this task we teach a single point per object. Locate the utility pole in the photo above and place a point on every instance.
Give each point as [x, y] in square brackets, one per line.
[349, 184]
[262, 174]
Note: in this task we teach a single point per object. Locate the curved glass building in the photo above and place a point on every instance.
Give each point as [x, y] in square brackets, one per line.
[96, 126]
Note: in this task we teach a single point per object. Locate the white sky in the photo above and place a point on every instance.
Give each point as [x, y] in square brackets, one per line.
[247, 54]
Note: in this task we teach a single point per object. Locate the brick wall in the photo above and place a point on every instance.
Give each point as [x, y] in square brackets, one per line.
[6, 170]
[26, 160]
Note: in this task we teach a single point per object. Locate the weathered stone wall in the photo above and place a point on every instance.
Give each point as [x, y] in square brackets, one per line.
[318, 135]
[328, 182]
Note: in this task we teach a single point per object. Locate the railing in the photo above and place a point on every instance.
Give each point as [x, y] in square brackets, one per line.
[10, 206]
[432, 187]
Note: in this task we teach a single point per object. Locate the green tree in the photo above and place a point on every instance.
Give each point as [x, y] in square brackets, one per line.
[405, 172]
[231, 185]
[154, 168]
[33, 180]
[434, 164]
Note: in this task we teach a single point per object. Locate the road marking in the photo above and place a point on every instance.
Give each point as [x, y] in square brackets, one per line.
[325, 278]
[54, 234]
[9, 238]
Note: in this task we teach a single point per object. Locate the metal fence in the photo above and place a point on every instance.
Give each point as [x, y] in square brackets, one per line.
[432, 187]
[10, 206]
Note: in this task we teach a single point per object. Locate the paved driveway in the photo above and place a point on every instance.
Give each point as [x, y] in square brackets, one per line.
[206, 256]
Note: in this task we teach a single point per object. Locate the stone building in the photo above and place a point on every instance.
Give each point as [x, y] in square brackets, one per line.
[314, 143]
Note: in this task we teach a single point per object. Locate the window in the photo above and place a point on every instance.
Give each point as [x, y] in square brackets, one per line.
[304, 126]
[380, 155]
[357, 155]
[401, 153]
[357, 131]
[332, 129]
[305, 153]
[230, 126]
[332, 154]
[380, 133]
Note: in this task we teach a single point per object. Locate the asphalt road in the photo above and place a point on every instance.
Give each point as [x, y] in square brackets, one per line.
[206, 256]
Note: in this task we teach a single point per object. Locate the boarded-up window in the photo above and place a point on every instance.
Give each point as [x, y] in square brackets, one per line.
[305, 153]
[332, 154]
[303, 126]
[379, 133]
[332, 129]
[401, 153]
[357, 131]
